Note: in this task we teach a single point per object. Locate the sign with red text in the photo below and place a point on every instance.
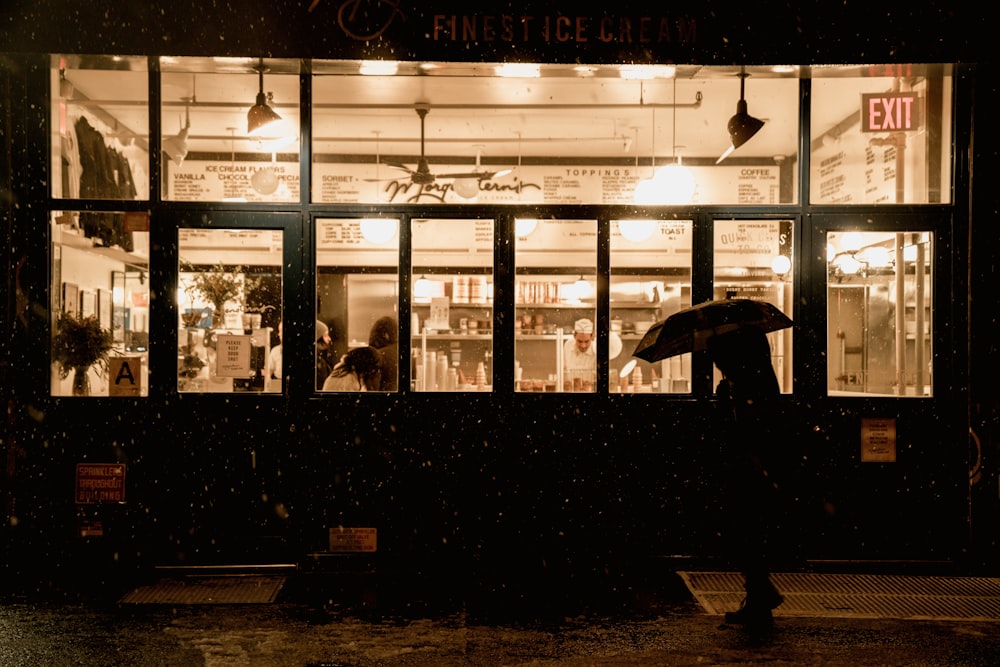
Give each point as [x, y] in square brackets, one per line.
[890, 112]
[100, 483]
[353, 540]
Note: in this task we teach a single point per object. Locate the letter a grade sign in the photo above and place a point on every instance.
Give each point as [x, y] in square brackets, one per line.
[125, 376]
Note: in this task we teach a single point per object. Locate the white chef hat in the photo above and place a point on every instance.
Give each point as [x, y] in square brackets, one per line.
[583, 326]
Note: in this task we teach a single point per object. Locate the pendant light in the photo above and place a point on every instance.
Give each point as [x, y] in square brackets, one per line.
[742, 126]
[672, 183]
[261, 115]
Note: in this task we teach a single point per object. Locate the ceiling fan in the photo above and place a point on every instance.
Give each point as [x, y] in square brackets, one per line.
[422, 175]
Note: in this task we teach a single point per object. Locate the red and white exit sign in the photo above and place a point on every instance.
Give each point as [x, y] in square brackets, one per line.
[890, 112]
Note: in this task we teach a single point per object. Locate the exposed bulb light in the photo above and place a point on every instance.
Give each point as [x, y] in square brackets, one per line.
[378, 230]
[637, 231]
[781, 264]
[378, 67]
[524, 226]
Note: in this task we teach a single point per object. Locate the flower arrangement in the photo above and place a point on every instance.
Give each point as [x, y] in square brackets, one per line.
[217, 286]
[80, 343]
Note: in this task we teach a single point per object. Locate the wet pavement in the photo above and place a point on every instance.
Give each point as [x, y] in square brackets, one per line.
[309, 624]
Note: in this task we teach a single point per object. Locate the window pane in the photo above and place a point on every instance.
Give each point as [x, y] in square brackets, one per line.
[357, 295]
[455, 133]
[650, 280]
[229, 310]
[881, 135]
[212, 148]
[879, 313]
[100, 127]
[452, 305]
[753, 260]
[555, 300]
[100, 303]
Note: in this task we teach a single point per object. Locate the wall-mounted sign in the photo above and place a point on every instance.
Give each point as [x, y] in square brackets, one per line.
[100, 483]
[878, 440]
[343, 540]
[890, 112]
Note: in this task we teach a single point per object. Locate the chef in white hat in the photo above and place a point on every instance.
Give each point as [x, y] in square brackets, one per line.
[579, 355]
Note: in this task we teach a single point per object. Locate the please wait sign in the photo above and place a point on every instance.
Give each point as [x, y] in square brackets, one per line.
[100, 483]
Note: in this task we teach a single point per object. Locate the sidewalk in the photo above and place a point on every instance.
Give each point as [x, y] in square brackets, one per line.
[310, 623]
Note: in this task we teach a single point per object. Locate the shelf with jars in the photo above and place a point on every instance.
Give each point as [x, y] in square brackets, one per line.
[452, 332]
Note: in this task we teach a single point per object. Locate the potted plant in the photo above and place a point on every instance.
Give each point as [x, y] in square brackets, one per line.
[78, 344]
[216, 286]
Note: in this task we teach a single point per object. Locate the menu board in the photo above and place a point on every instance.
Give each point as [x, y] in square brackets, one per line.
[854, 170]
[353, 183]
[208, 180]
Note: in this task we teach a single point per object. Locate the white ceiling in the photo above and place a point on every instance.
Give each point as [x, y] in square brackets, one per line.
[566, 113]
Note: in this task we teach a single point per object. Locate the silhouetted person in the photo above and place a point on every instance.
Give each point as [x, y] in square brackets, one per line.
[325, 359]
[384, 337]
[746, 397]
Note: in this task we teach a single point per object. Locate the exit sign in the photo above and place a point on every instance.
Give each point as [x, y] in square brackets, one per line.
[890, 112]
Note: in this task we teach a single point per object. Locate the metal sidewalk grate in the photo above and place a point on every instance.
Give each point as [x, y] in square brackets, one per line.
[858, 595]
[228, 589]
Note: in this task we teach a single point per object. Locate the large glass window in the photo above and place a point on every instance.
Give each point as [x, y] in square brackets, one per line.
[229, 310]
[753, 259]
[357, 304]
[650, 280]
[452, 305]
[230, 129]
[881, 135]
[555, 347]
[100, 303]
[879, 313]
[100, 127]
[455, 133]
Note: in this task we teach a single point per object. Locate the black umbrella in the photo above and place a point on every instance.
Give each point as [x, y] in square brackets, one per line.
[688, 330]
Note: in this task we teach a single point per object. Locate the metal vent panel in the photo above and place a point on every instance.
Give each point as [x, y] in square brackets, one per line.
[858, 595]
[234, 589]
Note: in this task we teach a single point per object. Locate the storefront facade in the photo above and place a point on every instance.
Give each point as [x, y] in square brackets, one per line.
[498, 220]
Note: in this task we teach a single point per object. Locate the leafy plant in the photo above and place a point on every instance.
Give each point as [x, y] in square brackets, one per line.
[217, 286]
[80, 343]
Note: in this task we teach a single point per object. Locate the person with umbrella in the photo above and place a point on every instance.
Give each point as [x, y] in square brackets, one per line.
[746, 398]
[734, 332]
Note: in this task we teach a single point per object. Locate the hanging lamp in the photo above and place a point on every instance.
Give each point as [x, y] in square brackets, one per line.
[742, 126]
[261, 115]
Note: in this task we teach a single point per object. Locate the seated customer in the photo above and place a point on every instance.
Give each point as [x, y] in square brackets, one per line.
[358, 370]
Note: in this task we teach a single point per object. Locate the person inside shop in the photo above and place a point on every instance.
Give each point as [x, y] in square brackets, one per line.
[579, 356]
[273, 372]
[325, 356]
[752, 438]
[358, 370]
[383, 338]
